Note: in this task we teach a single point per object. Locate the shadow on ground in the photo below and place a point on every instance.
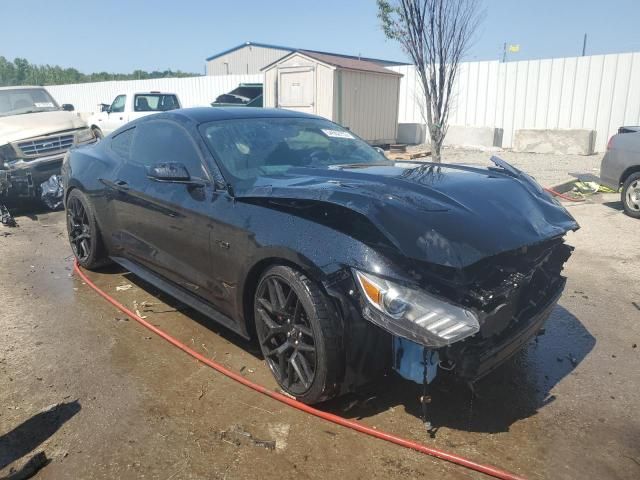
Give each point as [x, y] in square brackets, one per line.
[249, 346]
[30, 434]
[614, 205]
[516, 390]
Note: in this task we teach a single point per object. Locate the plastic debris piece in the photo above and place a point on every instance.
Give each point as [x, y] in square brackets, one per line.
[52, 192]
[7, 218]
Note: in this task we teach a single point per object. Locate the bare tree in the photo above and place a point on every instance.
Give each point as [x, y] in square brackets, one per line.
[436, 35]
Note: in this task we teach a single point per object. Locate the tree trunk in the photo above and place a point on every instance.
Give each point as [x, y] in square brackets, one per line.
[435, 136]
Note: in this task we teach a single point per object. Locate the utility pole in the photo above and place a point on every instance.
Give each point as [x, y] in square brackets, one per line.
[584, 45]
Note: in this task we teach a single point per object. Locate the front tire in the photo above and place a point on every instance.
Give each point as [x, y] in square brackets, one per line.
[299, 334]
[83, 232]
[630, 195]
[97, 133]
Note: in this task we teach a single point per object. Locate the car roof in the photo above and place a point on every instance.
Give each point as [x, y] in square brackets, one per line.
[23, 87]
[209, 114]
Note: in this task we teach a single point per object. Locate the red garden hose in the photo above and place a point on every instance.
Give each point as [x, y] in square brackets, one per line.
[449, 457]
[564, 197]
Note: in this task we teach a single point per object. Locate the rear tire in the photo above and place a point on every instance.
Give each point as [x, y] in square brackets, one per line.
[299, 333]
[83, 232]
[630, 195]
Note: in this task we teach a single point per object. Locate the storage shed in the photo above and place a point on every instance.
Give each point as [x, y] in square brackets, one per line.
[358, 94]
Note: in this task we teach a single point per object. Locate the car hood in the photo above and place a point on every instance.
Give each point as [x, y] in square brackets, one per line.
[443, 214]
[28, 125]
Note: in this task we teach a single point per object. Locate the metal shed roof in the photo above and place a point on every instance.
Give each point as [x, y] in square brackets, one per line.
[339, 62]
[291, 49]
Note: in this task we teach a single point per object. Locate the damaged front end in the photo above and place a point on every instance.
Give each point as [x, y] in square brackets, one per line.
[26, 164]
[472, 319]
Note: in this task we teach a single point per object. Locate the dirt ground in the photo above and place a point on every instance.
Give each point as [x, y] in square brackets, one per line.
[106, 398]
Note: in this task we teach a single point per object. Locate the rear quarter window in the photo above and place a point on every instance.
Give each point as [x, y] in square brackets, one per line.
[121, 144]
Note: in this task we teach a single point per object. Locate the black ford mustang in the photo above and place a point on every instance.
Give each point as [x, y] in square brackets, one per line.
[288, 227]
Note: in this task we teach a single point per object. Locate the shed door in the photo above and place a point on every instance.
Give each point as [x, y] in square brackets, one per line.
[296, 90]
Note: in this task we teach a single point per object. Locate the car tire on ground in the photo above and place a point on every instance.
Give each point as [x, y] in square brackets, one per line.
[83, 232]
[630, 195]
[299, 332]
[97, 133]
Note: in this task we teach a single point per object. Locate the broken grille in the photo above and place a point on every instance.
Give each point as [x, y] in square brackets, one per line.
[46, 146]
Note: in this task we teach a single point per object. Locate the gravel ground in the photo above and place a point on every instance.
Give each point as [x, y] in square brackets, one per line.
[128, 405]
[548, 169]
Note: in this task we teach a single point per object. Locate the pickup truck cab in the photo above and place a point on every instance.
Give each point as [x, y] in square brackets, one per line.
[129, 106]
[35, 134]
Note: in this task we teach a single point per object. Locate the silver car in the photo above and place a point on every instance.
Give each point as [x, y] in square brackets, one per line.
[621, 168]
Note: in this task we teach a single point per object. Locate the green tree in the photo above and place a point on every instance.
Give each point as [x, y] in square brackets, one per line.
[21, 72]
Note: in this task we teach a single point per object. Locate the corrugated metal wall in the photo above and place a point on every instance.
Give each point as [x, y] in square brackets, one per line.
[599, 92]
[193, 91]
[244, 61]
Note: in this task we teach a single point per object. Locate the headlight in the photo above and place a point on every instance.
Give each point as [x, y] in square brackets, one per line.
[84, 135]
[415, 314]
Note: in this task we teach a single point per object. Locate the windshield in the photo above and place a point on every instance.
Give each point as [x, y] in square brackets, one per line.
[250, 147]
[25, 100]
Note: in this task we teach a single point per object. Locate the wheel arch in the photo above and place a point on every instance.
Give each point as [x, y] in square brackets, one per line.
[628, 172]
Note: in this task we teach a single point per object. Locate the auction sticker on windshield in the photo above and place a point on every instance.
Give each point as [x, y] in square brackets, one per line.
[336, 133]
[43, 105]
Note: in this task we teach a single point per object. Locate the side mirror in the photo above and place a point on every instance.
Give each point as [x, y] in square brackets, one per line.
[67, 107]
[171, 172]
[380, 151]
[104, 107]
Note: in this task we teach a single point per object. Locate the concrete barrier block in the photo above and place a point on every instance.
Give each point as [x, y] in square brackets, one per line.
[480, 138]
[558, 141]
[412, 133]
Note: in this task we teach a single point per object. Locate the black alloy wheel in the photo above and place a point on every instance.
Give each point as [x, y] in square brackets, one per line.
[83, 232]
[299, 334]
[286, 335]
[79, 229]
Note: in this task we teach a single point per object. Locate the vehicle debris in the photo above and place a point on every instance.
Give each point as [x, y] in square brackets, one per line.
[52, 192]
[7, 218]
[238, 436]
[124, 288]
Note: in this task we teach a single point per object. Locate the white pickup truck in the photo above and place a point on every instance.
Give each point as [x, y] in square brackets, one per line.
[128, 107]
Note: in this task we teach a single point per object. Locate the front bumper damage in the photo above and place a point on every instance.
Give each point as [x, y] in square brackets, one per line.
[512, 293]
[22, 174]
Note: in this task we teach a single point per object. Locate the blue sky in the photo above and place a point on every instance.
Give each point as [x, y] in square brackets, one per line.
[121, 35]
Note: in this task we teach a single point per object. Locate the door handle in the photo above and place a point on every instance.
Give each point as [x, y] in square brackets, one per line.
[121, 184]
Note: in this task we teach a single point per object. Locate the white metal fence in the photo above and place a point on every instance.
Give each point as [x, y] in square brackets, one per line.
[600, 92]
[193, 91]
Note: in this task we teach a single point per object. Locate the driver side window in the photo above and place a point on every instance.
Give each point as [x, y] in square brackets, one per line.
[161, 141]
[118, 104]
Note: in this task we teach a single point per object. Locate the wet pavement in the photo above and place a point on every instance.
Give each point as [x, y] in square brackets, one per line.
[106, 398]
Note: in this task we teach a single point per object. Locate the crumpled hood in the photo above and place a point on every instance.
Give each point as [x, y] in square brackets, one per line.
[443, 214]
[28, 125]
